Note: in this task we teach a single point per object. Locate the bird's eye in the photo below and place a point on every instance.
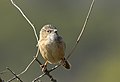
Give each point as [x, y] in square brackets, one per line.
[49, 31]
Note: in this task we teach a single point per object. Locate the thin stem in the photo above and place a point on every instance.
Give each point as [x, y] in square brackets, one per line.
[34, 34]
[14, 74]
[46, 72]
[26, 67]
[83, 28]
[26, 19]
[30, 63]
[77, 41]
[86, 21]
[3, 72]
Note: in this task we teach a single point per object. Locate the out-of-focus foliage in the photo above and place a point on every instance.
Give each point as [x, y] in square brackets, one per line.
[97, 57]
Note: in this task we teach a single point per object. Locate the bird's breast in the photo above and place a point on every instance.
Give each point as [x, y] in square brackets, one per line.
[53, 52]
[57, 52]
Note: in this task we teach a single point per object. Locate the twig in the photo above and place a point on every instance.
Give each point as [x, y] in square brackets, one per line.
[14, 74]
[30, 63]
[46, 72]
[83, 28]
[26, 19]
[3, 72]
[34, 34]
[77, 41]
[26, 67]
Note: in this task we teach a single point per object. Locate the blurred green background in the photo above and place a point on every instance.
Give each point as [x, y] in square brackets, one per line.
[97, 57]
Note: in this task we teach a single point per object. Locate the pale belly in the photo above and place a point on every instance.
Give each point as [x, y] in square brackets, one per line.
[52, 53]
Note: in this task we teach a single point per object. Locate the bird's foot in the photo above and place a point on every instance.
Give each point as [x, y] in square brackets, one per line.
[44, 67]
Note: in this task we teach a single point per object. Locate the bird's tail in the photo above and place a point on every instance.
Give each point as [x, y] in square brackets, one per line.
[66, 64]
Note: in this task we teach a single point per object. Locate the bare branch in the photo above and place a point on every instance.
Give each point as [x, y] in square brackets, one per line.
[26, 67]
[83, 28]
[34, 34]
[26, 19]
[4, 71]
[30, 63]
[14, 74]
[86, 20]
[46, 72]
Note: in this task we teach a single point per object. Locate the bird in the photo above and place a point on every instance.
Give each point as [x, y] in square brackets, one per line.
[52, 47]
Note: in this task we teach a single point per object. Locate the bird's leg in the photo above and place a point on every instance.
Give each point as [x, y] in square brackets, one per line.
[44, 66]
[62, 61]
